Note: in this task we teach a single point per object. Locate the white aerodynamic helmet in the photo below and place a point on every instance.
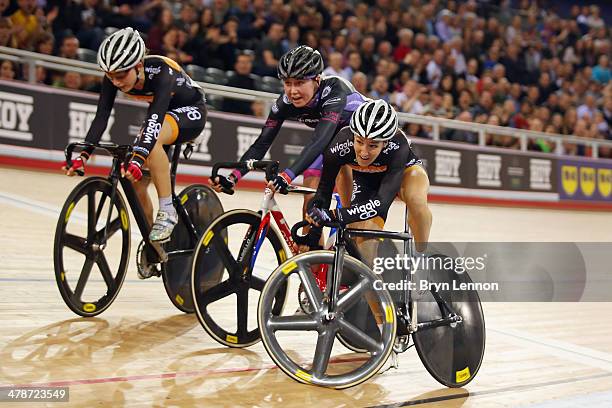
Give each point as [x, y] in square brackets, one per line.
[121, 51]
[374, 119]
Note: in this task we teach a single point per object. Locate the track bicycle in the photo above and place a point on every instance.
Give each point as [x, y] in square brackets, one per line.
[93, 234]
[234, 258]
[447, 327]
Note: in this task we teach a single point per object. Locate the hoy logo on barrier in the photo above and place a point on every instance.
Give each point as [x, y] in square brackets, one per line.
[201, 150]
[246, 137]
[489, 167]
[81, 115]
[539, 174]
[447, 166]
[15, 111]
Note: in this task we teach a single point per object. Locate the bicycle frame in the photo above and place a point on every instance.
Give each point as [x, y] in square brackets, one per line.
[120, 153]
[333, 279]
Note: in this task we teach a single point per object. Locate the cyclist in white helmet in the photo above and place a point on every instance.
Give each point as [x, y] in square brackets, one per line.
[384, 166]
[176, 114]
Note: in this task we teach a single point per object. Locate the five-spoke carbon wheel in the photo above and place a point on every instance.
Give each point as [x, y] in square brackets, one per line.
[225, 281]
[90, 260]
[302, 344]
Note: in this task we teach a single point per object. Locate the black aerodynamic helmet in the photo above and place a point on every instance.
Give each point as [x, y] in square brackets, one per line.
[300, 63]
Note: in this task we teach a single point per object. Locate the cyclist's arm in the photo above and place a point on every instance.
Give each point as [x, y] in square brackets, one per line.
[322, 137]
[164, 86]
[105, 106]
[331, 168]
[258, 149]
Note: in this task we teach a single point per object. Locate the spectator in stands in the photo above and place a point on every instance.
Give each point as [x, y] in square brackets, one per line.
[353, 66]
[163, 23]
[25, 23]
[380, 88]
[269, 51]
[434, 68]
[360, 82]
[293, 38]
[601, 72]
[242, 79]
[249, 25]
[457, 135]
[588, 109]
[7, 37]
[70, 47]
[8, 70]
[335, 65]
[259, 109]
[404, 47]
[72, 80]
[408, 99]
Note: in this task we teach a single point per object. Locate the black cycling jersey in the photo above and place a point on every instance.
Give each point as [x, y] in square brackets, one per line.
[375, 186]
[329, 111]
[166, 87]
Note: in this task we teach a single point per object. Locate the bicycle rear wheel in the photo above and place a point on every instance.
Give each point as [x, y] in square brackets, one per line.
[452, 355]
[203, 206]
[226, 283]
[79, 248]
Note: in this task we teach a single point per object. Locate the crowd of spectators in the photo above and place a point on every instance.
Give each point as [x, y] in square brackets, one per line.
[500, 62]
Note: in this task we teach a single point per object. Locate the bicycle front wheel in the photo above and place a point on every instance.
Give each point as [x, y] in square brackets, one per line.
[229, 271]
[302, 344]
[85, 244]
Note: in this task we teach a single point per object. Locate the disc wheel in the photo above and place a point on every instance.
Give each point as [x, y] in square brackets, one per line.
[203, 206]
[453, 353]
[89, 271]
[225, 283]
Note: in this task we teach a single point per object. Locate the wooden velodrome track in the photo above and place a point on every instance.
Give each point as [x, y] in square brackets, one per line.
[144, 352]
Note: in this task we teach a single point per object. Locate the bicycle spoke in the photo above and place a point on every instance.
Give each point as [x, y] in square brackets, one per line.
[218, 292]
[83, 278]
[106, 273]
[296, 322]
[91, 213]
[226, 257]
[325, 342]
[352, 296]
[242, 311]
[312, 290]
[357, 336]
[113, 227]
[75, 243]
[257, 283]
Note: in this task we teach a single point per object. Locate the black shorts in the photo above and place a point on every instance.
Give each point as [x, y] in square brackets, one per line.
[187, 122]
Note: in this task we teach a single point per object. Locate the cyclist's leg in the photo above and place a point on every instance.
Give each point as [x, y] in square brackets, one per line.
[415, 187]
[368, 249]
[180, 125]
[142, 192]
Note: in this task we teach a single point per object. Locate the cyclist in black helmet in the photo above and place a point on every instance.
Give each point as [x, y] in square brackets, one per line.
[322, 103]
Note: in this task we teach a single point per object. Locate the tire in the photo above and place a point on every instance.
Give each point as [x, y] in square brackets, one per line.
[68, 243]
[211, 290]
